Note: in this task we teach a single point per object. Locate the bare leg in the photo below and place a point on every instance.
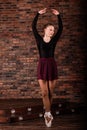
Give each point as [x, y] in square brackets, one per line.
[52, 85]
[47, 99]
[45, 94]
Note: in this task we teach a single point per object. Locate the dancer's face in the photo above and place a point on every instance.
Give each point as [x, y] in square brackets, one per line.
[49, 31]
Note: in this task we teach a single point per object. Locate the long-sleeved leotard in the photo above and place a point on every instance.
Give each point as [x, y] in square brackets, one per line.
[46, 50]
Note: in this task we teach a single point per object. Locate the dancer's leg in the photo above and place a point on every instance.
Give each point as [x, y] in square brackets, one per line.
[46, 88]
[52, 85]
[45, 94]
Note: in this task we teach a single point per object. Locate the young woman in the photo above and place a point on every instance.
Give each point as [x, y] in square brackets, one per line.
[47, 68]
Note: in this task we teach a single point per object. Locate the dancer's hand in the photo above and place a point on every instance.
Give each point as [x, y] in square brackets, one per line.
[42, 11]
[54, 11]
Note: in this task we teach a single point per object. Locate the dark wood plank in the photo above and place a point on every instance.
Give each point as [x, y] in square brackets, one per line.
[62, 122]
[29, 109]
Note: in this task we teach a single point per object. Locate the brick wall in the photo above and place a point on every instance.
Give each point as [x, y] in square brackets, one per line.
[19, 54]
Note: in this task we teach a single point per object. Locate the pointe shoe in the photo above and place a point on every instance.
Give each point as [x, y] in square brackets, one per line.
[48, 119]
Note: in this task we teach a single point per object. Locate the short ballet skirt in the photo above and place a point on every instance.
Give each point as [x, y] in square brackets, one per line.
[47, 69]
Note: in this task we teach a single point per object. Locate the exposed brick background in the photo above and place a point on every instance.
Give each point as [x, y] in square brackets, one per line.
[19, 54]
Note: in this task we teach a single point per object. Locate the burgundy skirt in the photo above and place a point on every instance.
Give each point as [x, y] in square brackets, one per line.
[47, 69]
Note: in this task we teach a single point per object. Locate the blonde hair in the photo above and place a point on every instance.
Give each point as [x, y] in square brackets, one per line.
[48, 24]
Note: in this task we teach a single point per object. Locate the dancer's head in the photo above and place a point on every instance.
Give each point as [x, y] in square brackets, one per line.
[49, 30]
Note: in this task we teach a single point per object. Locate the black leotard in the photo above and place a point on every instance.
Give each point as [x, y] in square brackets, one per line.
[46, 50]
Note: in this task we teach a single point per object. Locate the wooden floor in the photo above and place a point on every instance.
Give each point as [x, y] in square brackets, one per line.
[66, 120]
[62, 122]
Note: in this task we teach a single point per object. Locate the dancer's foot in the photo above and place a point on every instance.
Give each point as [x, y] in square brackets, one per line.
[48, 119]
